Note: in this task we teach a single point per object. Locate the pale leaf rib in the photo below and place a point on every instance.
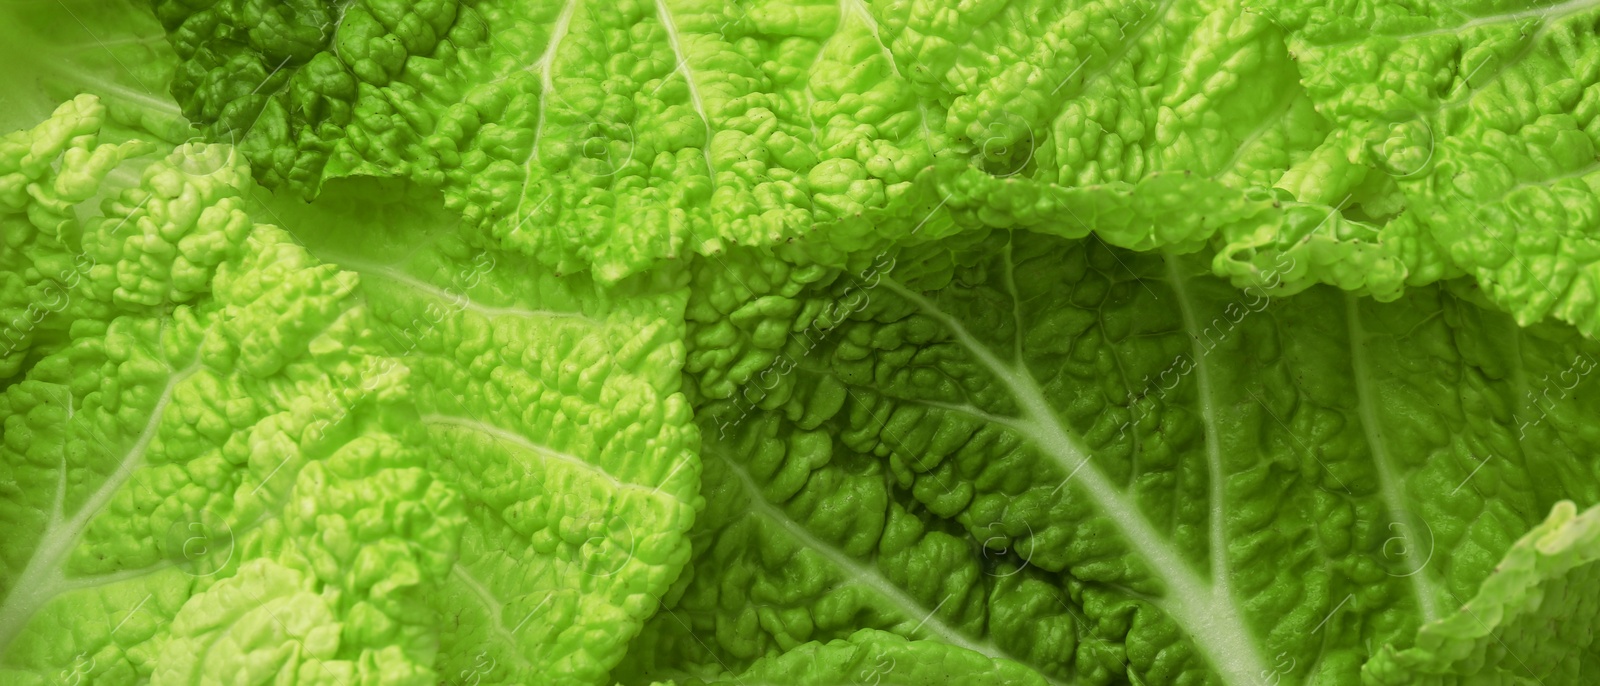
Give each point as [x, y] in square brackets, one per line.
[1279, 113]
[822, 51]
[1546, 15]
[1130, 40]
[871, 23]
[973, 412]
[495, 609]
[864, 575]
[1016, 302]
[861, 11]
[102, 86]
[1390, 484]
[459, 299]
[665, 16]
[546, 66]
[519, 441]
[1212, 622]
[103, 580]
[964, 409]
[1217, 474]
[43, 578]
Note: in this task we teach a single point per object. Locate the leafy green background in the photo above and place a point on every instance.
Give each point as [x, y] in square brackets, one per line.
[523, 341]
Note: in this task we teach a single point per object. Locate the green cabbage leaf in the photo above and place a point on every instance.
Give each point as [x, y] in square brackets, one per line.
[1111, 467]
[230, 453]
[1158, 342]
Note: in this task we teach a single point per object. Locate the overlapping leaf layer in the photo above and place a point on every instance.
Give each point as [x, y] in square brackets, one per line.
[898, 341]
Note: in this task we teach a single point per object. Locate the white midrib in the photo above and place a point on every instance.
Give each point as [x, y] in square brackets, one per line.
[871, 23]
[494, 607]
[957, 408]
[95, 45]
[430, 290]
[1016, 301]
[1546, 182]
[665, 16]
[822, 52]
[1389, 483]
[1130, 40]
[43, 578]
[541, 450]
[1217, 477]
[1212, 622]
[101, 86]
[1547, 15]
[546, 65]
[888, 56]
[1278, 113]
[1519, 381]
[863, 575]
[1548, 18]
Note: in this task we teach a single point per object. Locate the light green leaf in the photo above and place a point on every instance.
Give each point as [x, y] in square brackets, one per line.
[580, 134]
[296, 453]
[1481, 117]
[1532, 622]
[550, 405]
[112, 49]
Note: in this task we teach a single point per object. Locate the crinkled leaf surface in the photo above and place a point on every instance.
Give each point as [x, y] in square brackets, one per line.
[1113, 468]
[141, 450]
[615, 136]
[232, 454]
[930, 405]
[549, 403]
[1379, 144]
[878, 657]
[584, 134]
[1535, 615]
[1480, 118]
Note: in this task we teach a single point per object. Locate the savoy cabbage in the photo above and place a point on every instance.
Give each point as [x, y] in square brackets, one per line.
[1236, 342]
